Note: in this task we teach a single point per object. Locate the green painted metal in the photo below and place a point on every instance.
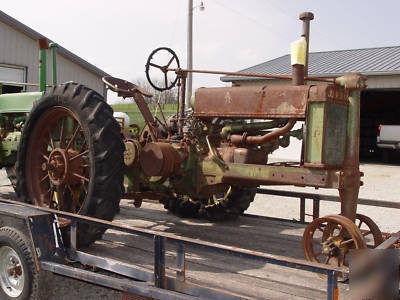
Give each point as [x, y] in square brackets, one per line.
[53, 47]
[326, 134]
[9, 147]
[42, 70]
[314, 140]
[249, 174]
[16, 103]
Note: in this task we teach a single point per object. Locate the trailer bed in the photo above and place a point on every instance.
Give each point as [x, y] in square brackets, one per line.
[245, 277]
[248, 278]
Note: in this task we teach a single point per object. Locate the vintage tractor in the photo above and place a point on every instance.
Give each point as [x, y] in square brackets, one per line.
[205, 161]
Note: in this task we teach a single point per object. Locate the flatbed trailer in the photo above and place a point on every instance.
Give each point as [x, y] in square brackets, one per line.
[52, 253]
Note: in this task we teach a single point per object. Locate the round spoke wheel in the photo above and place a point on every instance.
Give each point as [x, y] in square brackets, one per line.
[70, 157]
[57, 165]
[329, 239]
[370, 231]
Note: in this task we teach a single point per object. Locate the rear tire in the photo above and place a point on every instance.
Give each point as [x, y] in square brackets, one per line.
[93, 135]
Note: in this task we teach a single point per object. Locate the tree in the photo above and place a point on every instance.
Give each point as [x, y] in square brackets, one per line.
[165, 97]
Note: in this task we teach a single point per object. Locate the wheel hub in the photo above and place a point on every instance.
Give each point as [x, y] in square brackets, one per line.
[11, 272]
[61, 167]
[331, 247]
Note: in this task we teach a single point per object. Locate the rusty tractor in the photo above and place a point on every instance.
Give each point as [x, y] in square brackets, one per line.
[205, 161]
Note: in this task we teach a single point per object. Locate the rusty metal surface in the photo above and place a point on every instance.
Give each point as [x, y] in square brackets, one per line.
[237, 139]
[306, 17]
[43, 44]
[339, 235]
[158, 159]
[249, 156]
[252, 102]
[259, 174]
[124, 88]
[329, 93]
[297, 75]
[251, 75]
[373, 230]
[390, 242]
[56, 175]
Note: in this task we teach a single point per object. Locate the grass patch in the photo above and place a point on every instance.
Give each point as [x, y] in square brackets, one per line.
[135, 115]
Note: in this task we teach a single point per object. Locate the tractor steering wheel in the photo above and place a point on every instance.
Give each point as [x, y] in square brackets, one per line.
[172, 61]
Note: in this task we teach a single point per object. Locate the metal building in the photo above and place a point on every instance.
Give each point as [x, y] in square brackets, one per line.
[19, 60]
[380, 102]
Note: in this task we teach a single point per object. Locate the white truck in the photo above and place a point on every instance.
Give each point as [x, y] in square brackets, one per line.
[388, 139]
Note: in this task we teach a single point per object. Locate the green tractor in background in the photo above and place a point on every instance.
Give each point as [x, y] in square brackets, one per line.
[71, 154]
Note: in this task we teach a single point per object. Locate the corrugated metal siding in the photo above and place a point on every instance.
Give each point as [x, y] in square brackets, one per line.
[370, 61]
[17, 48]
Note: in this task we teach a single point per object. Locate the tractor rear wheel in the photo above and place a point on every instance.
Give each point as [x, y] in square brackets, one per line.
[213, 209]
[70, 157]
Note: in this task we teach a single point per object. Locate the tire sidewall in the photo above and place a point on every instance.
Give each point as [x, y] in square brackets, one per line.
[7, 240]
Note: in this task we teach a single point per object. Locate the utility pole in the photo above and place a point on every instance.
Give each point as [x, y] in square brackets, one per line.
[190, 49]
[189, 53]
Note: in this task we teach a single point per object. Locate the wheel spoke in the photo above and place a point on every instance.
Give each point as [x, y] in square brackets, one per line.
[44, 178]
[81, 177]
[73, 137]
[83, 146]
[165, 80]
[340, 232]
[156, 66]
[79, 155]
[84, 186]
[366, 233]
[347, 242]
[45, 157]
[62, 132]
[51, 141]
[327, 259]
[170, 61]
[75, 203]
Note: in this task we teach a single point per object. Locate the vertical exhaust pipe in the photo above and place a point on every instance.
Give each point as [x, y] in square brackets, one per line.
[299, 51]
[43, 46]
[53, 47]
[306, 17]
